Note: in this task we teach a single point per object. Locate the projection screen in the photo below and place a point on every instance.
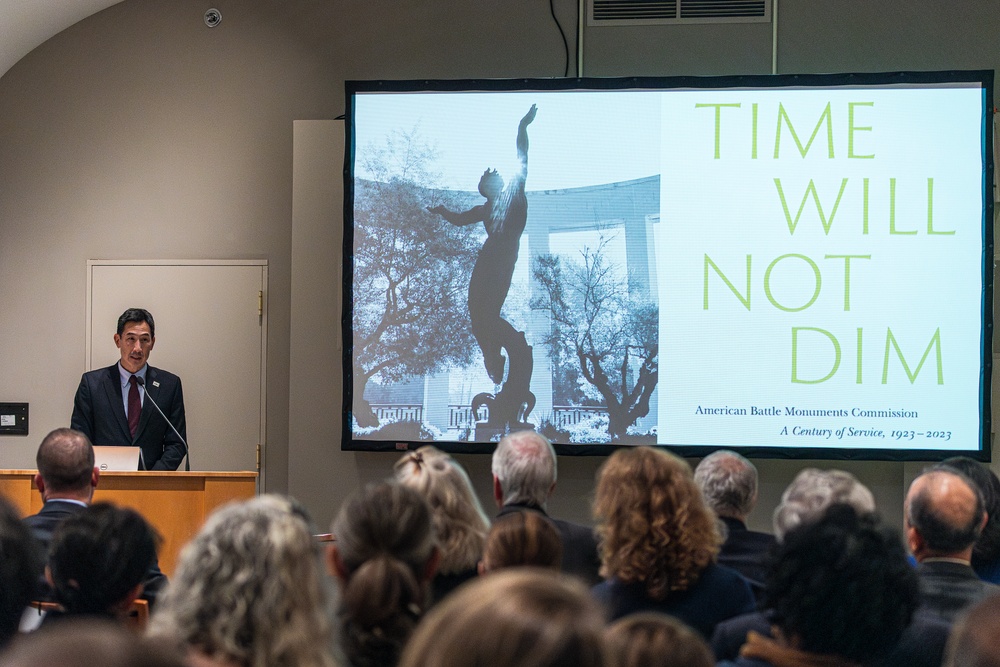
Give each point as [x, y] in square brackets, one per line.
[787, 266]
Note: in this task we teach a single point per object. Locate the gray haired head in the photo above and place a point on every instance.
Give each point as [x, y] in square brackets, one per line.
[812, 491]
[525, 465]
[728, 482]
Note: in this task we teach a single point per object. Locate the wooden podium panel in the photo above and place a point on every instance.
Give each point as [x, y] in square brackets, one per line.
[175, 503]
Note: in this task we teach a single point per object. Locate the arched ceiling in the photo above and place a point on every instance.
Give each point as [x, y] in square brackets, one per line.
[24, 24]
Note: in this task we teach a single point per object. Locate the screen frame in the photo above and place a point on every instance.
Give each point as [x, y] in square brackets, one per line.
[982, 78]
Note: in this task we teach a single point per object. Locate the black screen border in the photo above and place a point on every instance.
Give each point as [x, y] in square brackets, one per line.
[982, 78]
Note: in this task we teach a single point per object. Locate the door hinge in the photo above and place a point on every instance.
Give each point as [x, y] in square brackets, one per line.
[260, 303]
[258, 457]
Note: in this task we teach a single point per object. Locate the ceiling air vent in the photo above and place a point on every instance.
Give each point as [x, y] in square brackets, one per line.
[659, 12]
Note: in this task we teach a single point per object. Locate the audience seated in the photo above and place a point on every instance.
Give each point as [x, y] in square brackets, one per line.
[805, 500]
[656, 640]
[522, 538]
[459, 521]
[98, 561]
[974, 641]
[944, 515]
[520, 617]
[524, 478]
[814, 490]
[385, 555]
[986, 552]
[728, 482]
[659, 542]
[66, 479]
[20, 566]
[841, 592]
[248, 592]
[88, 643]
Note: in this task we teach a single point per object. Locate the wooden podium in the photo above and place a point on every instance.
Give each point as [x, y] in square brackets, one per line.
[175, 503]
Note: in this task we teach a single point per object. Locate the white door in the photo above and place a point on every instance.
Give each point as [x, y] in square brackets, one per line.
[211, 330]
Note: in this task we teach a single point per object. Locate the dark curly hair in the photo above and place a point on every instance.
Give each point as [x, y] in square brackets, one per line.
[842, 585]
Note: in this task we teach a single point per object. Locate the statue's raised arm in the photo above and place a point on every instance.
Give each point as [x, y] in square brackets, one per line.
[522, 135]
[461, 218]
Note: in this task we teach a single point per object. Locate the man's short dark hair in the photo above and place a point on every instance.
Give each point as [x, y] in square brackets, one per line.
[65, 460]
[20, 567]
[940, 534]
[98, 555]
[843, 586]
[136, 315]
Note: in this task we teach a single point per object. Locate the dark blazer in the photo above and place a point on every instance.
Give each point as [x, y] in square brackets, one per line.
[718, 595]
[948, 588]
[43, 525]
[746, 551]
[922, 643]
[99, 412]
[579, 544]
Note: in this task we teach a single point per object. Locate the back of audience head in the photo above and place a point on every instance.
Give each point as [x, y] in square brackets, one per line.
[99, 558]
[459, 521]
[812, 491]
[944, 514]
[986, 551]
[729, 483]
[973, 641]
[65, 462]
[841, 585]
[385, 555]
[87, 643]
[247, 589]
[20, 566]
[653, 521]
[651, 639]
[524, 469]
[522, 538]
[519, 617]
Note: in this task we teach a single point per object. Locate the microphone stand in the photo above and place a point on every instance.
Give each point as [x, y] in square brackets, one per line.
[187, 450]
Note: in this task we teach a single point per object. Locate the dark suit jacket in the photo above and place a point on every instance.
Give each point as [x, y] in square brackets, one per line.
[43, 525]
[746, 551]
[99, 412]
[948, 588]
[579, 544]
[922, 643]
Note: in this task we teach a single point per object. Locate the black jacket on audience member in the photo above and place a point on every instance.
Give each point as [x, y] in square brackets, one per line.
[579, 544]
[947, 588]
[746, 551]
[43, 524]
[922, 643]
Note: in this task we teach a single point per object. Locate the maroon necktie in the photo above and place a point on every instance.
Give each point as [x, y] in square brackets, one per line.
[134, 405]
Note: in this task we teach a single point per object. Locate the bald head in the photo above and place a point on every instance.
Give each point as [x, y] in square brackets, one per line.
[946, 512]
[524, 467]
[65, 462]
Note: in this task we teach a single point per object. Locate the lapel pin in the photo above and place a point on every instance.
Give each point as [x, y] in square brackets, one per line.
[155, 383]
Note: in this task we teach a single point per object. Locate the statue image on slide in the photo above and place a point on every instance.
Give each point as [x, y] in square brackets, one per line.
[504, 215]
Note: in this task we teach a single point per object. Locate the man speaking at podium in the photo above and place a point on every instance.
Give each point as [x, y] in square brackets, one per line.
[111, 408]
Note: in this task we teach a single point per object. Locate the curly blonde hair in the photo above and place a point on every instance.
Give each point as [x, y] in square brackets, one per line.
[459, 520]
[653, 522]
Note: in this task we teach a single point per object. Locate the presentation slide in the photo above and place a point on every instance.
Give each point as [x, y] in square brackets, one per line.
[792, 268]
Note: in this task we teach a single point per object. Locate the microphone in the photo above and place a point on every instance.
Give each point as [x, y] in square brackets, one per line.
[187, 451]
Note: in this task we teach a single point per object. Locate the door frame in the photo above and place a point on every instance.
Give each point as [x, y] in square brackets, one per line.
[92, 264]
